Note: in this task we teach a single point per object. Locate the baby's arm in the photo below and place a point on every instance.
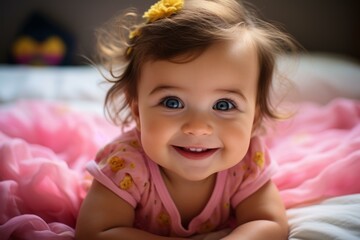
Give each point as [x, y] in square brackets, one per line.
[103, 215]
[261, 216]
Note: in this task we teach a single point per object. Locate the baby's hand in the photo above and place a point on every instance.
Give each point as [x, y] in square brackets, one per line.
[213, 235]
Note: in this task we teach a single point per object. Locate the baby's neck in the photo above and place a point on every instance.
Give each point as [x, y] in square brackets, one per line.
[190, 197]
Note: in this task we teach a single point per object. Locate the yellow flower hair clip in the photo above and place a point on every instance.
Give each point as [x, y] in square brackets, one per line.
[135, 33]
[163, 9]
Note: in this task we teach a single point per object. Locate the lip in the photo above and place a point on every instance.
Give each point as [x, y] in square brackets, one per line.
[193, 155]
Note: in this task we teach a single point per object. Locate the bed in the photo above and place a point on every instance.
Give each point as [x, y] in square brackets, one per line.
[52, 122]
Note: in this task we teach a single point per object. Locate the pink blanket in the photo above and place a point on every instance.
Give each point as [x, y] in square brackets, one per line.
[44, 147]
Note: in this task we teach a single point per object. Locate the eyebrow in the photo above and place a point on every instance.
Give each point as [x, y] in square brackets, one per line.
[162, 88]
[237, 92]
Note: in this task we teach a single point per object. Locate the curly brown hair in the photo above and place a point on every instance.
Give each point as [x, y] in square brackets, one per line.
[188, 33]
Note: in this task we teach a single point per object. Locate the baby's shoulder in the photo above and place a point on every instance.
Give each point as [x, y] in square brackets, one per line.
[122, 167]
[252, 172]
[255, 161]
[123, 158]
[125, 146]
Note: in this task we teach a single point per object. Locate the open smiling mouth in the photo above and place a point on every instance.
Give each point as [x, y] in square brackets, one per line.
[195, 153]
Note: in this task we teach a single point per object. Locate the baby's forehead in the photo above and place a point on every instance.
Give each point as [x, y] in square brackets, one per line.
[235, 48]
[227, 58]
[229, 54]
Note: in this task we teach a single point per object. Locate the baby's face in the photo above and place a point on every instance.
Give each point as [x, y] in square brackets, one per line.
[196, 118]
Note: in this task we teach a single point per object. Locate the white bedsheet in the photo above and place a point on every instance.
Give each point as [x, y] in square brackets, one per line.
[335, 218]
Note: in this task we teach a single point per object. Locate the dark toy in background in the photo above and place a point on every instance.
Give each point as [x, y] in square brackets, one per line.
[42, 42]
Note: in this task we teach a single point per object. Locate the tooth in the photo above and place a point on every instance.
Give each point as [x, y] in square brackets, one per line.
[196, 149]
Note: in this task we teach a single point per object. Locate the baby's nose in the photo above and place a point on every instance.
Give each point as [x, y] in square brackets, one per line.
[197, 125]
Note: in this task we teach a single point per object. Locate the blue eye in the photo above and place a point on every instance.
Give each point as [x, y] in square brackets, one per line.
[172, 102]
[224, 105]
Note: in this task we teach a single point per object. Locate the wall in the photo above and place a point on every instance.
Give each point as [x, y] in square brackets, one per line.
[319, 25]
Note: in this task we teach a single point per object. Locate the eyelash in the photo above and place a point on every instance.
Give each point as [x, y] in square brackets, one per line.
[179, 104]
[164, 100]
[228, 101]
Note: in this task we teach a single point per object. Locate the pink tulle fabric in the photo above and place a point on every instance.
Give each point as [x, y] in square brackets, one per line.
[44, 148]
[318, 152]
[43, 151]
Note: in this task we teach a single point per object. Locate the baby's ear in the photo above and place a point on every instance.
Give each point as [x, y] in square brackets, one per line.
[135, 113]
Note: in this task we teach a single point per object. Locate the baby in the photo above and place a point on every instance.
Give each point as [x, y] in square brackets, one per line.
[196, 80]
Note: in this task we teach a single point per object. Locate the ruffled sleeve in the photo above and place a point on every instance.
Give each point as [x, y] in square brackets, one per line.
[252, 172]
[121, 167]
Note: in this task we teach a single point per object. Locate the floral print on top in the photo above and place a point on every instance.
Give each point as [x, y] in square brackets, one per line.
[123, 167]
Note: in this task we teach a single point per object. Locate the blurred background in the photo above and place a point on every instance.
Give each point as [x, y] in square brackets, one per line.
[65, 29]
